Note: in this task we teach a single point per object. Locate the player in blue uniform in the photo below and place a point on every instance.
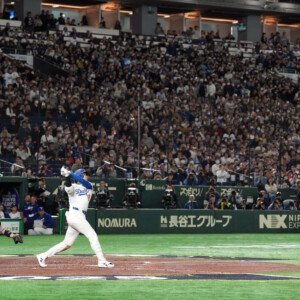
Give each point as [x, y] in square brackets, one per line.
[46, 228]
[28, 212]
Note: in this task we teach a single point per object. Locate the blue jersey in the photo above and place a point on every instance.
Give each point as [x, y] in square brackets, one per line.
[30, 211]
[47, 220]
[188, 205]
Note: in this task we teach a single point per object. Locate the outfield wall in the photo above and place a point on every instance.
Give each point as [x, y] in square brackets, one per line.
[151, 191]
[14, 189]
[122, 221]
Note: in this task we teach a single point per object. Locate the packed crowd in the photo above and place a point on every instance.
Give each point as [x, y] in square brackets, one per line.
[205, 115]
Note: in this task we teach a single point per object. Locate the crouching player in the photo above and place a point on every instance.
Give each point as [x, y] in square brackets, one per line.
[15, 236]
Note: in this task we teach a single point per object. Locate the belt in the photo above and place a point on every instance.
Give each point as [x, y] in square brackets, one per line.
[83, 211]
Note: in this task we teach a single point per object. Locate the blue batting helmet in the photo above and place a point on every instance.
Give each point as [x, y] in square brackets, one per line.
[80, 172]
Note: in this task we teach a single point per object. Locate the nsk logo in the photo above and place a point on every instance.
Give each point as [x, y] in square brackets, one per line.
[117, 222]
[272, 221]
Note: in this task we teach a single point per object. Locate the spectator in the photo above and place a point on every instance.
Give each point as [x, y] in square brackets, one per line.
[158, 29]
[17, 167]
[222, 176]
[84, 21]
[14, 213]
[3, 214]
[118, 25]
[102, 23]
[24, 131]
[43, 223]
[271, 188]
[191, 179]
[29, 22]
[260, 181]
[191, 203]
[77, 165]
[61, 19]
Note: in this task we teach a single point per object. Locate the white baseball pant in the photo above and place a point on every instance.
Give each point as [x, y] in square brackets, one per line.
[77, 224]
[40, 231]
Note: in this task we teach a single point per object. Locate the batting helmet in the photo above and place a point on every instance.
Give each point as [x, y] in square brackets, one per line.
[80, 172]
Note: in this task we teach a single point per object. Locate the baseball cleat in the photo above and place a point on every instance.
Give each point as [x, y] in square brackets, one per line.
[41, 261]
[105, 264]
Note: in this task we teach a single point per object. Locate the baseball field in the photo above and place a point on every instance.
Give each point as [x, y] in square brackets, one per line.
[170, 266]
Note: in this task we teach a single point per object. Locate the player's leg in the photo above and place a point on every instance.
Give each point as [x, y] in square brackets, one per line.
[68, 241]
[85, 228]
[71, 236]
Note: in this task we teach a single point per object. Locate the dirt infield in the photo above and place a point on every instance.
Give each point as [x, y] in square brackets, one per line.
[128, 265]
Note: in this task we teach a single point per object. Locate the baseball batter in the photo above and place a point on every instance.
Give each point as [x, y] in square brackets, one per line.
[79, 196]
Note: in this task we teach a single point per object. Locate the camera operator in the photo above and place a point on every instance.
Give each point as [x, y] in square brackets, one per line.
[277, 203]
[103, 197]
[289, 204]
[259, 205]
[169, 199]
[234, 199]
[265, 197]
[61, 200]
[244, 205]
[191, 203]
[211, 190]
[212, 204]
[225, 204]
[132, 199]
[41, 193]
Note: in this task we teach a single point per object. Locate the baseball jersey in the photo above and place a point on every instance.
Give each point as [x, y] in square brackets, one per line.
[47, 220]
[79, 196]
[30, 211]
[1, 228]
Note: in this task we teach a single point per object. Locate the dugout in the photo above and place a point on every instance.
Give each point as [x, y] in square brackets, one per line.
[13, 190]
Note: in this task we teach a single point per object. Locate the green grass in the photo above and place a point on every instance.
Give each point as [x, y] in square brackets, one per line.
[189, 290]
[254, 245]
[261, 245]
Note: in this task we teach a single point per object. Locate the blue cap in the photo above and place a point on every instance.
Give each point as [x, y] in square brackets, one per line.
[41, 208]
[80, 172]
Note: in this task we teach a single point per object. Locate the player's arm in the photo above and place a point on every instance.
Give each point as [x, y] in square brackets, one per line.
[84, 182]
[66, 173]
[16, 237]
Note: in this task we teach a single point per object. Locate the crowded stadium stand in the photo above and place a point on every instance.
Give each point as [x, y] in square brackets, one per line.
[226, 111]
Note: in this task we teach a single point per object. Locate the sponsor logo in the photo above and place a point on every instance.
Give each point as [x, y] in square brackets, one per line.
[152, 187]
[272, 221]
[117, 222]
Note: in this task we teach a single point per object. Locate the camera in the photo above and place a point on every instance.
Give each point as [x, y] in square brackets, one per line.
[103, 199]
[168, 199]
[132, 198]
[62, 198]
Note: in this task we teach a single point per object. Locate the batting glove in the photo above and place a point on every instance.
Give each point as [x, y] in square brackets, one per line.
[64, 172]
